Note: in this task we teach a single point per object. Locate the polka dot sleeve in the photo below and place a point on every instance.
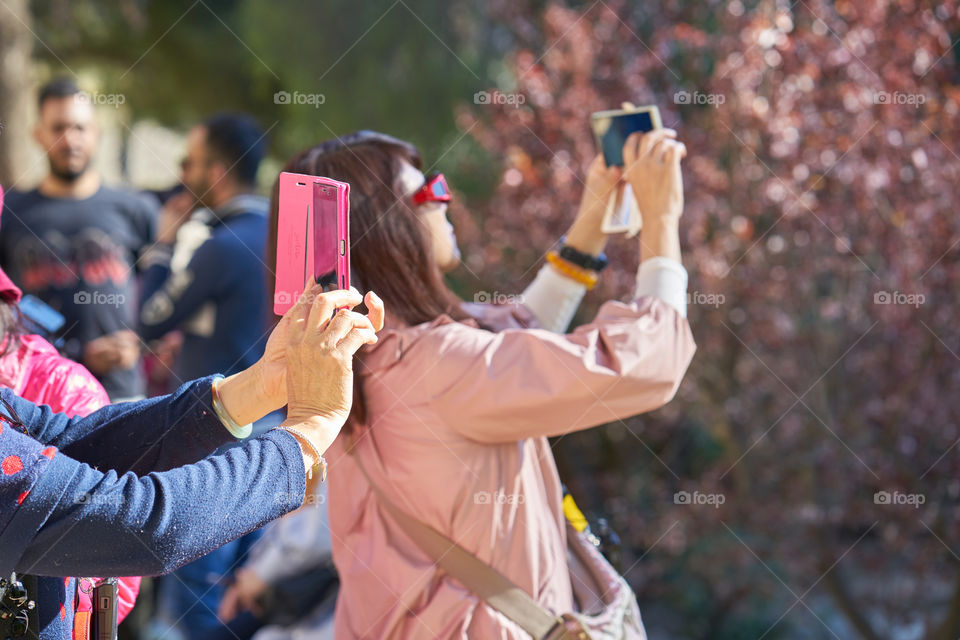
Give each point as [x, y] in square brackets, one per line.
[22, 461]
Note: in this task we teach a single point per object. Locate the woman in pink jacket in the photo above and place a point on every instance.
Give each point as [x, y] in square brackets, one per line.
[456, 401]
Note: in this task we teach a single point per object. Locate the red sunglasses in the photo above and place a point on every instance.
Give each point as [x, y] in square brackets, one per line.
[434, 190]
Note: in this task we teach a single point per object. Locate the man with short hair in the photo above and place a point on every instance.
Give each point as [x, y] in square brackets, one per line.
[74, 243]
[206, 274]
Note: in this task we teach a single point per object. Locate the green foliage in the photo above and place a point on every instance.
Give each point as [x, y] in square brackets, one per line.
[396, 67]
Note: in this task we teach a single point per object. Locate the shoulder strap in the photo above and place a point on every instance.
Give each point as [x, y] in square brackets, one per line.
[485, 581]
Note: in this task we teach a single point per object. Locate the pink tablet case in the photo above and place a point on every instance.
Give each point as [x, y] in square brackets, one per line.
[313, 236]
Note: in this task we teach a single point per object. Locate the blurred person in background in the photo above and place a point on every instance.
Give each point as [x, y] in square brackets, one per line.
[204, 276]
[74, 243]
[457, 400]
[288, 586]
[160, 358]
[204, 304]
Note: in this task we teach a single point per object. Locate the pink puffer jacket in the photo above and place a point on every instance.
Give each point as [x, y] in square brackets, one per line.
[37, 372]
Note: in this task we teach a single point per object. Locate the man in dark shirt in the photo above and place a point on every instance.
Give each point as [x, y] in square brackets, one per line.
[74, 243]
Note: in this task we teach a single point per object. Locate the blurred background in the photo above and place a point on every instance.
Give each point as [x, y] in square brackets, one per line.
[805, 482]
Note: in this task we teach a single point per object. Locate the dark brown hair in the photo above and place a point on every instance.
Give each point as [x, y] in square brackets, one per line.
[11, 327]
[390, 250]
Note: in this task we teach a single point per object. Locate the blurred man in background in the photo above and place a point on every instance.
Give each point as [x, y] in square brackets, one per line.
[74, 243]
[205, 275]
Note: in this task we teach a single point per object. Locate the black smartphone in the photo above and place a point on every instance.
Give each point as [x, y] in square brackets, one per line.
[612, 128]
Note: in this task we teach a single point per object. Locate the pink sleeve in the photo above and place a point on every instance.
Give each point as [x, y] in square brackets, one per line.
[78, 392]
[127, 590]
[522, 383]
[66, 386]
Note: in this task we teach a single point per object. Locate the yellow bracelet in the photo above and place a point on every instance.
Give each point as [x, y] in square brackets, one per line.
[572, 271]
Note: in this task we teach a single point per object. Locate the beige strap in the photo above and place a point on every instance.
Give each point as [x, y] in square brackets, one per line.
[482, 579]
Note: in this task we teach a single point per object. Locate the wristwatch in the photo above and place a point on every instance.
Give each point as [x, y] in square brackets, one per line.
[583, 260]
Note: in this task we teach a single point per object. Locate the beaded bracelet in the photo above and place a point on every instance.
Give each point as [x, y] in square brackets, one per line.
[235, 429]
[320, 465]
[572, 271]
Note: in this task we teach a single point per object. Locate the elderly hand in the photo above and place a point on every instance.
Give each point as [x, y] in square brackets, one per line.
[319, 355]
[273, 365]
[264, 387]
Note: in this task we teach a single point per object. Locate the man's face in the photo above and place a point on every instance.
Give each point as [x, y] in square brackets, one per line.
[196, 168]
[67, 131]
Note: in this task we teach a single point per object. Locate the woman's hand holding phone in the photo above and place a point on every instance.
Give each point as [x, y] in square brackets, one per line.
[317, 346]
[322, 337]
[586, 233]
[652, 167]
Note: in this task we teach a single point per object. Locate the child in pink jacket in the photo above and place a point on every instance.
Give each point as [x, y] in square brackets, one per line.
[455, 403]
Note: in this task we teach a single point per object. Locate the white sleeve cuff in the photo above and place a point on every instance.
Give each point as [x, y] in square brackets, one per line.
[553, 299]
[666, 279]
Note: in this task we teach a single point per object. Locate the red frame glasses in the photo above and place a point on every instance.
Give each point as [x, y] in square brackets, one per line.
[434, 190]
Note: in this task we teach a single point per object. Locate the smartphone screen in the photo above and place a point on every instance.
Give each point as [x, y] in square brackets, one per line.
[325, 237]
[612, 128]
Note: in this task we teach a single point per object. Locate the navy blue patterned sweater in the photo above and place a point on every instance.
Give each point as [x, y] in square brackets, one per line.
[128, 490]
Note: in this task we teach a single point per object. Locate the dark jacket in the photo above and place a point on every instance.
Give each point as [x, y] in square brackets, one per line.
[212, 286]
